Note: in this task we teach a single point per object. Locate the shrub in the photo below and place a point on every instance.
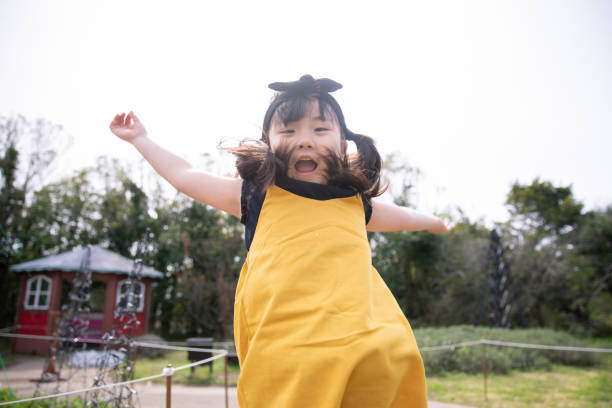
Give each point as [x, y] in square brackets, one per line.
[500, 360]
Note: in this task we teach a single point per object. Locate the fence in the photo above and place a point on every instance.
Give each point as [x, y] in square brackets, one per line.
[169, 371]
[166, 372]
[485, 342]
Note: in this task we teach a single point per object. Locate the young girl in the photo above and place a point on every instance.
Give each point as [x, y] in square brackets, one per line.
[314, 323]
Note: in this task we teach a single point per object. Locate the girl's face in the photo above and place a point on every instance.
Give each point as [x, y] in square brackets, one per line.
[309, 139]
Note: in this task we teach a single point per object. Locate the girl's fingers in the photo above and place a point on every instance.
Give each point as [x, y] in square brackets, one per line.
[116, 121]
[135, 119]
[121, 120]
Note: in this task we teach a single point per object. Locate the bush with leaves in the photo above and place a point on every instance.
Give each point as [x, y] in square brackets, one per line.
[500, 360]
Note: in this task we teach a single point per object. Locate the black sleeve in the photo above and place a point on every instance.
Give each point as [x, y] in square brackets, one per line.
[244, 200]
[251, 201]
[367, 209]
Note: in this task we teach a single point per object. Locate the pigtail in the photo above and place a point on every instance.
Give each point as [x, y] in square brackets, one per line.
[257, 164]
[345, 172]
[370, 164]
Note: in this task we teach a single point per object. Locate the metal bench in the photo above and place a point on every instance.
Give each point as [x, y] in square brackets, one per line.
[200, 342]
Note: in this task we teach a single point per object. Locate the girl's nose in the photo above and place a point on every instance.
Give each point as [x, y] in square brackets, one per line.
[305, 141]
[305, 144]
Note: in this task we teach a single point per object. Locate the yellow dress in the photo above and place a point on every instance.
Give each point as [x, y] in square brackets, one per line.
[315, 325]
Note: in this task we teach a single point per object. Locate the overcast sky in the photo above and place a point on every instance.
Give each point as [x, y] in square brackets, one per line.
[476, 94]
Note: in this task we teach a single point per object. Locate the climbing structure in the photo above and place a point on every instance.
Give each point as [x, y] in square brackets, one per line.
[116, 363]
[70, 328]
[500, 282]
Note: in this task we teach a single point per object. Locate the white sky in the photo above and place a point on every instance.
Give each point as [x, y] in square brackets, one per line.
[476, 94]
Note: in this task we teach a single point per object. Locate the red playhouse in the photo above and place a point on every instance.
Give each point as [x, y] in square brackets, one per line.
[45, 284]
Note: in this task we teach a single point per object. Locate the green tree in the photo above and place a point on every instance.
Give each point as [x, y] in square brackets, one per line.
[590, 275]
[27, 151]
[542, 209]
[407, 261]
[550, 276]
[60, 216]
[213, 250]
[11, 204]
[463, 289]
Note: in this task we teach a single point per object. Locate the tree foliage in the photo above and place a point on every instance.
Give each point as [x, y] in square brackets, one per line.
[544, 208]
[27, 151]
[560, 258]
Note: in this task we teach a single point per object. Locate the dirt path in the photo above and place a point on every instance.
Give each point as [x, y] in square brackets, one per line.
[28, 368]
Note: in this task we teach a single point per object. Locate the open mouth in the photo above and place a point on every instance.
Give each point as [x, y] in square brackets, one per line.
[305, 166]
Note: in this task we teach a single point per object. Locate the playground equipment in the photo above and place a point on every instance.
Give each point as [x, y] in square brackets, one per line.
[112, 370]
[69, 325]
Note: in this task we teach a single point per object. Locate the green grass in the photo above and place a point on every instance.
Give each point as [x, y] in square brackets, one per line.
[5, 350]
[562, 380]
[8, 396]
[557, 386]
[561, 386]
[146, 367]
[533, 379]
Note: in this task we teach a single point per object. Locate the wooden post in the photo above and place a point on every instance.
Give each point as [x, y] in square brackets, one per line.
[51, 368]
[484, 368]
[168, 371]
[226, 398]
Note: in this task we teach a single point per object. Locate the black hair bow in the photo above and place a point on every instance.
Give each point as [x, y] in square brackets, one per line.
[305, 85]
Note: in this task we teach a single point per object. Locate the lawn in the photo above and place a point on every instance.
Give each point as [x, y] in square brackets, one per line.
[561, 386]
[584, 384]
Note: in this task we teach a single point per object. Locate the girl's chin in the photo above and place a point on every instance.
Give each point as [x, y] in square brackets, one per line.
[313, 177]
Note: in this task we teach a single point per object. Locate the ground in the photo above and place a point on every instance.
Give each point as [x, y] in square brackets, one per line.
[26, 369]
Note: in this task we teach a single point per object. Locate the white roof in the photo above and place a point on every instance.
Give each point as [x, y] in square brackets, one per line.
[101, 261]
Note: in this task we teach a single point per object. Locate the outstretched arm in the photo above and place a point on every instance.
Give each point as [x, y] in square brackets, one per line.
[222, 193]
[390, 217]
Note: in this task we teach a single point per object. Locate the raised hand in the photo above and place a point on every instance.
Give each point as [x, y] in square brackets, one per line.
[440, 228]
[127, 127]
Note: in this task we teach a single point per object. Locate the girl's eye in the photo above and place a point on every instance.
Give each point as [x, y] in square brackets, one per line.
[321, 129]
[287, 131]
